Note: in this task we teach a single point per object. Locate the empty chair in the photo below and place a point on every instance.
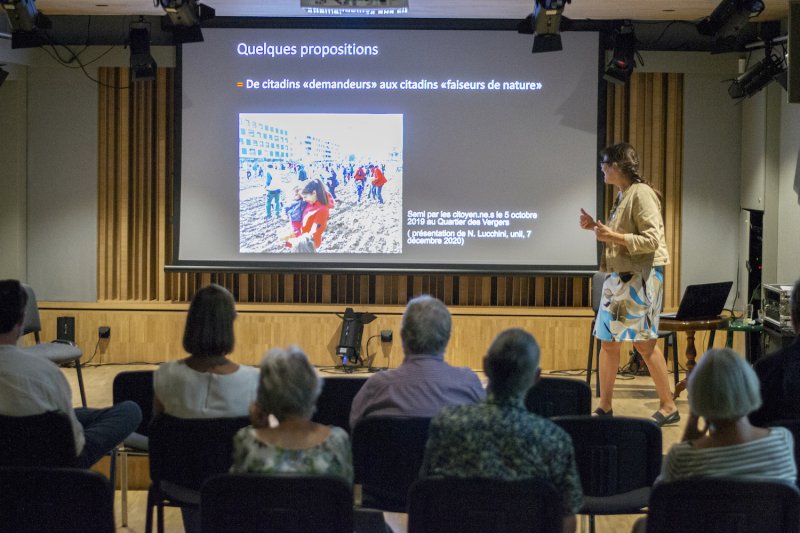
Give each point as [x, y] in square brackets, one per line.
[55, 499]
[37, 440]
[276, 502]
[387, 457]
[60, 352]
[137, 386]
[335, 400]
[443, 505]
[618, 460]
[559, 397]
[183, 454]
[710, 505]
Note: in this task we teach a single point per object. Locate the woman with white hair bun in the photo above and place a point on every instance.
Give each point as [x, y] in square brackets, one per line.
[288, 391]
[723, 390]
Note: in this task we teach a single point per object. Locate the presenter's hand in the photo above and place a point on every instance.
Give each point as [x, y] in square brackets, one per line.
[604, 233]
[586, 220]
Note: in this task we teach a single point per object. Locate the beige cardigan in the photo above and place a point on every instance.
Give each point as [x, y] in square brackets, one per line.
[638, 218]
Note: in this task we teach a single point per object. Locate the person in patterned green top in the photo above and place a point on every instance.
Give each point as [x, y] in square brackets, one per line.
[288, 391]
[499, 438]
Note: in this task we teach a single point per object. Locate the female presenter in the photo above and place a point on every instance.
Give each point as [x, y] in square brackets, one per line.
[634, 255]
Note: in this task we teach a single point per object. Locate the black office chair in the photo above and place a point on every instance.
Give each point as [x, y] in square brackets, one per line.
[336, 399]
[60, 352]
[136, 386]
[279, 502]
[439, 505]
[37, 440]
[710, 505]
[618, 460]
[387, 457]
[670, 339]
[55, 499]
[185, 452]
[553, 396]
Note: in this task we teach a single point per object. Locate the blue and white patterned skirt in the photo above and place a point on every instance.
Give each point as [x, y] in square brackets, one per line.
[629, 307]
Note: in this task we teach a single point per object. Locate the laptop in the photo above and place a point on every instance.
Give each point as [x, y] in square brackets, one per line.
[704, 301]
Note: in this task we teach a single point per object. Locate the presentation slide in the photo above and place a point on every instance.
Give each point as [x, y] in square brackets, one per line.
[387, 150]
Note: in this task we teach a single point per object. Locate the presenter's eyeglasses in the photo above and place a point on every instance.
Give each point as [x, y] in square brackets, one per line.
[604, 161]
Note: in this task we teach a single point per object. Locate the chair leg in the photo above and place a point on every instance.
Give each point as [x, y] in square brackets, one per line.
[148, 523]
[597, 369]
[123, 486]
[591, 523]
[80, 381]
[160, 516]
[589, 359]
[676, 367]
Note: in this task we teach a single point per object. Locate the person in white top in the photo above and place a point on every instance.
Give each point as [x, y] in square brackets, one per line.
[206, 384]
[30, 385]
[723, 390]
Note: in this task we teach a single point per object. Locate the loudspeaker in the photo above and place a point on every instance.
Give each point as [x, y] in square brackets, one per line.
[65, 328]
[793, 61]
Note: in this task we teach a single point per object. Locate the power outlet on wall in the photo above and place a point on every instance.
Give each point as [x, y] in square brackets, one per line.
[104, 332]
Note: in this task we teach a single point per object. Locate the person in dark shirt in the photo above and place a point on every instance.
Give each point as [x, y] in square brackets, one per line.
[779, 375]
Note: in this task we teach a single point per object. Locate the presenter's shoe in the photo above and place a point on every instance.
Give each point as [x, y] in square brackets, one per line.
[661, 420]
[600, 412]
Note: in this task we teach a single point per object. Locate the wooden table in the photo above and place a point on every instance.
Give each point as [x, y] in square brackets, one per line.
[690, 327]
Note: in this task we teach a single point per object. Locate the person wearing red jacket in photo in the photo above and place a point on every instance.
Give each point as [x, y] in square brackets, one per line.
[360, 177]
[315, 218]
[378, 181]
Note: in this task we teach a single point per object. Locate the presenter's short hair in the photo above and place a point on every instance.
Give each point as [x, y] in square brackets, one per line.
[209, 324]
[511, 363]
[289, 385]
[13, 299]
[425, 326]
[723, 386]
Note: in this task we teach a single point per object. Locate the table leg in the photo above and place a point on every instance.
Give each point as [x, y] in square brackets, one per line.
[691, 355]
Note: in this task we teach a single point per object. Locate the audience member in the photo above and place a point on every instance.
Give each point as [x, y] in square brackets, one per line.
[424, 382]
[288, 390]
[723, 389]
[499, 438]
[206, 384]
[779, 374]
[30, 385]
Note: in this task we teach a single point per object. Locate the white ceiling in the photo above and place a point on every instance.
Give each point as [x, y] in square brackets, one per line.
[470, 9]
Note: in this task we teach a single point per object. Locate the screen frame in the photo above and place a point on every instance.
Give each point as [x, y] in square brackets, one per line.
[306, 265]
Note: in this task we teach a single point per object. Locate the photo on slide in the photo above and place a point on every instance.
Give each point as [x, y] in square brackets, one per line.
[356, 158]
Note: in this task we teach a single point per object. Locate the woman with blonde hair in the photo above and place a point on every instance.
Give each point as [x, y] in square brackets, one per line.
[288, 390]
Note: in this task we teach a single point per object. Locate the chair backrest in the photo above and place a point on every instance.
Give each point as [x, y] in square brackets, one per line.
[187, 451]
[614, 454]
[553, 396]
[37, 440]
[598, 278]
[387, 457]
[708, 505]
[32, 323]
[336, 399]
[55, 499]
[136, 386]
[483, 505]
[281, 502]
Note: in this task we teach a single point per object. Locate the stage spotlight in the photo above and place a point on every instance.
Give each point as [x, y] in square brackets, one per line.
[621, 66]
[726, 22]
[143, 66]
[772, 67]
[349, 348]
[185, 17]
[547, 25]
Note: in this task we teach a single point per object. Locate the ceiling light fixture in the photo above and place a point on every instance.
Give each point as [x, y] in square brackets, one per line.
[727, 21]
[623, 62]
[547, 25]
